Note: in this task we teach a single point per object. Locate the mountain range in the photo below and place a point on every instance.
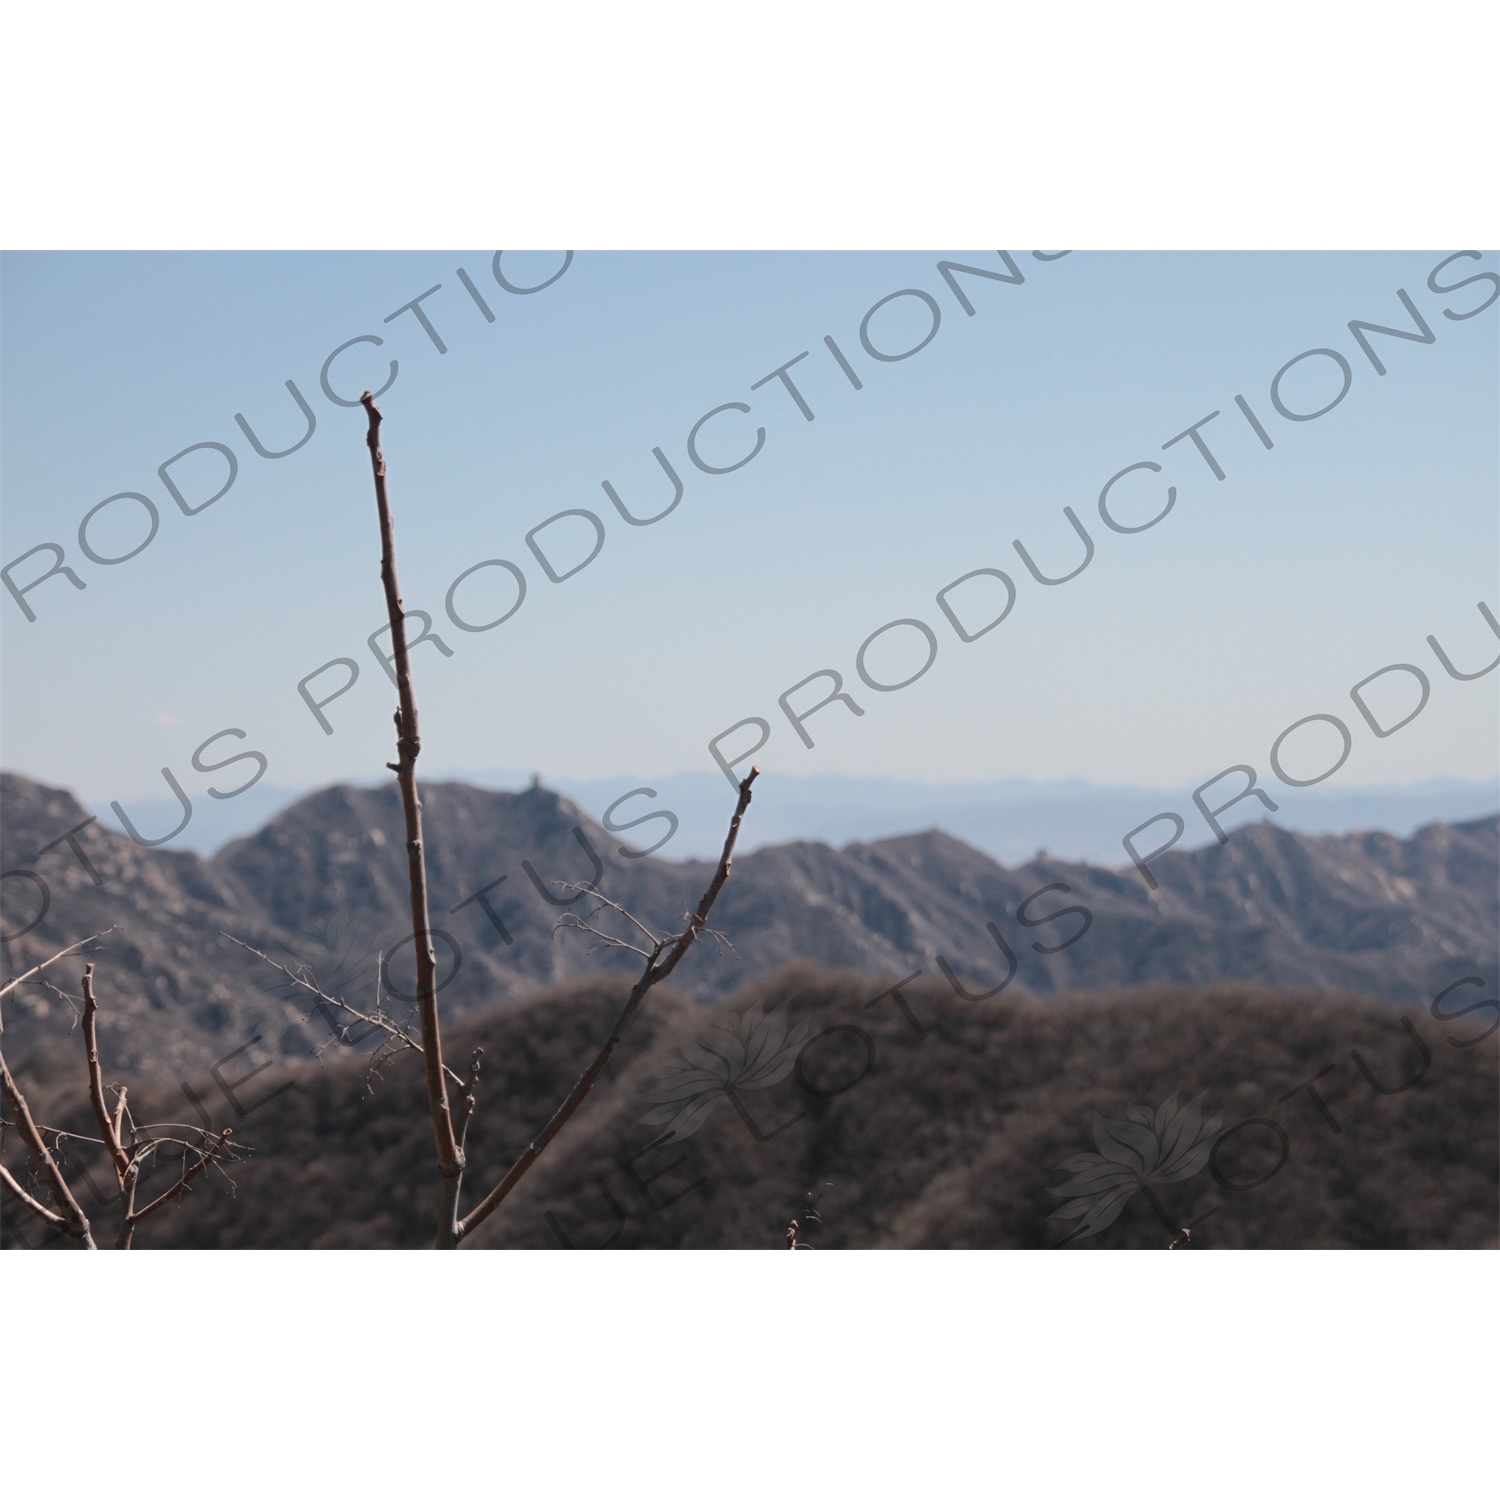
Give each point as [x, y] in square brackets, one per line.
[1009, 820]
[321, 888]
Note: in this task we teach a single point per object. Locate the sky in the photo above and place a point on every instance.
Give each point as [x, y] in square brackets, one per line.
[1261, 598]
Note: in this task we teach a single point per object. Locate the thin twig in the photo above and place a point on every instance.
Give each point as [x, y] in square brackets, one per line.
[468, 1093]
[63, 995]
[67, 1135]
[108, 1130]
[10, 984]
[394, 1032]
[42, 1212]
[606, 940]
[614, 906]
[204, 1161]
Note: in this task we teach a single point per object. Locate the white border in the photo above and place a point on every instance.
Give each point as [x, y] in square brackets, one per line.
[741, 1374]
[303, 123]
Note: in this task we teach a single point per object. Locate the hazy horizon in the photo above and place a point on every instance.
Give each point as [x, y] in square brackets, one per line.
[1008, 819]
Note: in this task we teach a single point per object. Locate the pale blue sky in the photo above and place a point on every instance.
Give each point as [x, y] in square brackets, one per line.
[1260, 599]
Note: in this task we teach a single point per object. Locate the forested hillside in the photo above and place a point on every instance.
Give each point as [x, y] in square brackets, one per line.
[950, 1123]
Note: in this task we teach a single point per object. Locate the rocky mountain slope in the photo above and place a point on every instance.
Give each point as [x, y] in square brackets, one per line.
[323, 885]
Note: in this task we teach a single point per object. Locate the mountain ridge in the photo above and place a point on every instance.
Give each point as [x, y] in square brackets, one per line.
[1010, 820]
[323, 884]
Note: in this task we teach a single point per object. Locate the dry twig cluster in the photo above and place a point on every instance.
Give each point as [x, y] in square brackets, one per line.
[132, 1149]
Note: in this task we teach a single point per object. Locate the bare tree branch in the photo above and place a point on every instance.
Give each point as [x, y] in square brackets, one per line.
[398, 1037]
[606, 940]
[121, 1112]
[204, 1161]
[42, 1212]
[10, 984]
[468, 1093]
[175, 1140]
[571, 919]
[75, 1221]
[657, 969]
[408, 747]
[665, 954]
[128, 1162]
[62, 994]
[109, 1130]
[298, 979]
[59, 1136]
[572, 922]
